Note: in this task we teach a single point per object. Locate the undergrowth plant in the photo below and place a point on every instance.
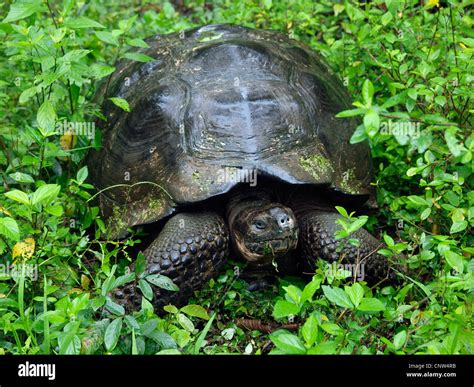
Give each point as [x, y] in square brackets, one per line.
[408, 65]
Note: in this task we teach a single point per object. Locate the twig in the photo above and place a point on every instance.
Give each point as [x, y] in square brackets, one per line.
[258, 325]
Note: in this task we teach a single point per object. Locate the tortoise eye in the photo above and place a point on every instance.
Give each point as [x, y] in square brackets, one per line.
[260, 224]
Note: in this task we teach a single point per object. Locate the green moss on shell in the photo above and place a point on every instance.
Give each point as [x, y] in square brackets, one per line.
[317, 166]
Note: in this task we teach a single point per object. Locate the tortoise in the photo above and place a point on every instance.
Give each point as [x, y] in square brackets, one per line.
[231, 148]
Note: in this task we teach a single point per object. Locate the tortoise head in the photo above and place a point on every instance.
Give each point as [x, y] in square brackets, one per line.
[261, 230]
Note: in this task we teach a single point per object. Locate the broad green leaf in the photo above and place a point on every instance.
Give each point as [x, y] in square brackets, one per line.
[371, 122]
[23, 8]
[326, 348]
[355, 293]
[458, 227]
[310, 330]
[351, 113]
[46, 118]
[107, 37]
[138, 57]
[162, 282]
[399, 339]
[82, 22]
[123, 279]
[45, 194]
[371, 305]
[288, 343]
[310, 289]
[359, 135]
[146, 289]
[112, 333]
[137, 43]
[114, 308]
[185, 322]
[337, 296]
[284, 308]
[82, 174]
[56, 210]
[121, 103]
[195, 311]
[22, 177]
[332, 329]
[367, 93]
[454, 260]
[18, 196]
[9, 228]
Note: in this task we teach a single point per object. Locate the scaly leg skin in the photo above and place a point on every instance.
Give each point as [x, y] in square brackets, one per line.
[317, 238]
[191, 249]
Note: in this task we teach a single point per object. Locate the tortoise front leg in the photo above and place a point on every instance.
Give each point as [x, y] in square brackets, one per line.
[317, 240]
[191, 249]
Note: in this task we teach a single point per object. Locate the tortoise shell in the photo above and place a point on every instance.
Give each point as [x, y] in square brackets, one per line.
[222, 98]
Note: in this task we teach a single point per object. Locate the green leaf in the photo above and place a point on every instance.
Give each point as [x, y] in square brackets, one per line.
[100, 71]
[284, 308]
[56, 210]
[114, 308]
[146, 289]
[202, 336]
[386, 18]
[82, 174]
[293, 294]
[359, 135]
[310, 289]
[195, 311]
[371, 122]
[140, 264]
[162, 282]
[137, 43]
[454, 260]
[18, 196]
[123, 279]
[368, 92]
[82, 22]
[164, 340]
[310, 330]
[74, 55]
[28, 93]
[185, 322]
[337, 296]
[351, 113]
[46, 118]
[399, 339]
[23, 8]
[288, 343]
[121, 103]
[107, 37]
[9, 228]
[267, 4]
[342, 211]
[371, 305]
[112, 333]
[355, 293]
[419, 201]
[136, 56]
[458, 227]
[326, 348]
[45, 194]
[21, 177]
[332, 329]
[452, 142]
